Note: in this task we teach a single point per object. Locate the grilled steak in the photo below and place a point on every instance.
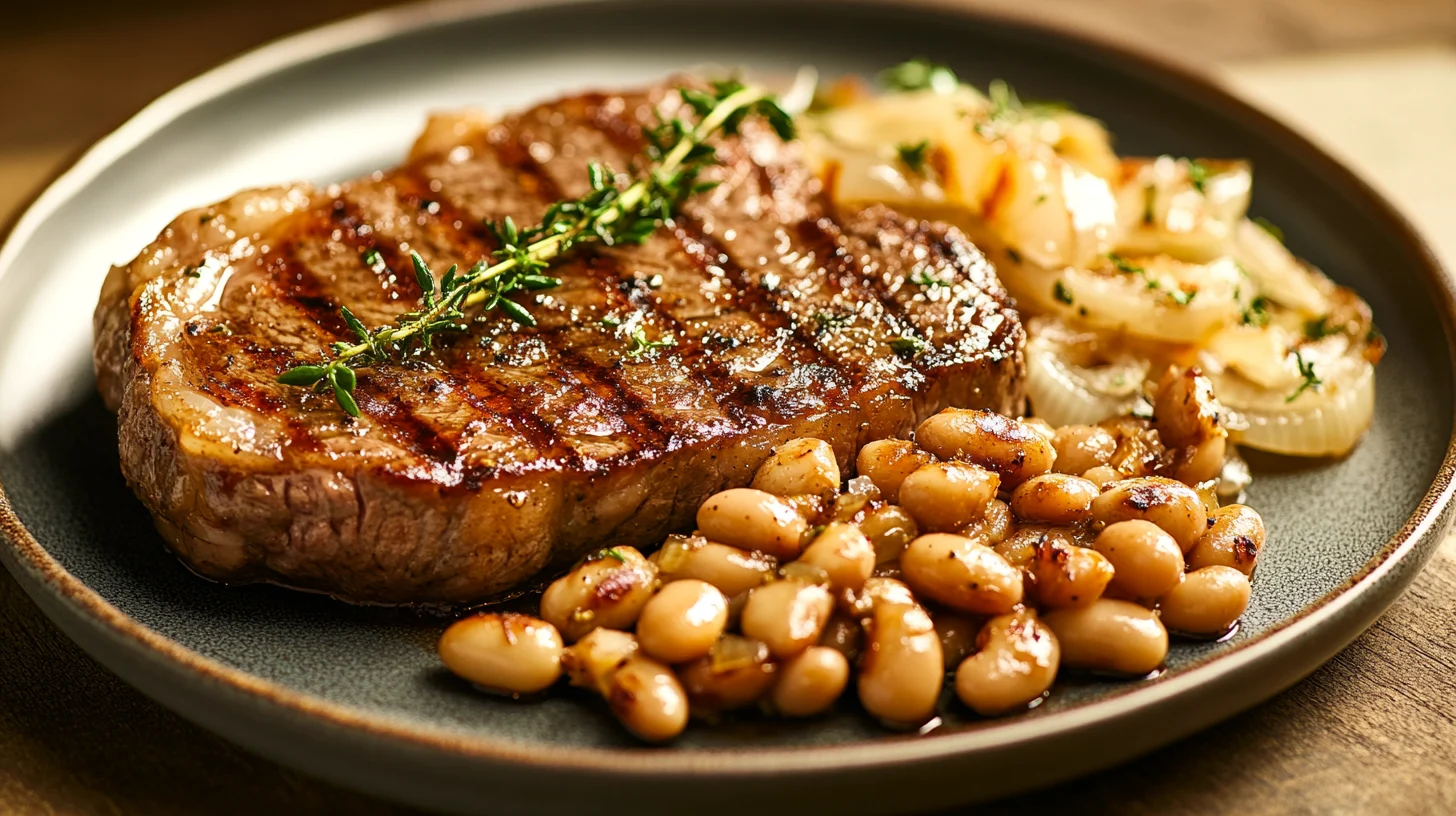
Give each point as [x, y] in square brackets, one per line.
[510, 451]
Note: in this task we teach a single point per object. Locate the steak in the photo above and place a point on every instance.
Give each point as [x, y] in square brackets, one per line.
[507, 452]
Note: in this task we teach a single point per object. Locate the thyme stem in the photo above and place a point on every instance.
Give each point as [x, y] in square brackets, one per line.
[638, 210]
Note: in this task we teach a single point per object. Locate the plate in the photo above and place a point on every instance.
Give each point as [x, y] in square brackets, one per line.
[357, 696]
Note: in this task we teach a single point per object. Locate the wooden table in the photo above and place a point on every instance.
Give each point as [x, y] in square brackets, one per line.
[1374, 731]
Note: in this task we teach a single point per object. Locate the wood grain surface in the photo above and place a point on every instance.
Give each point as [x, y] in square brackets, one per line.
[1373, 731]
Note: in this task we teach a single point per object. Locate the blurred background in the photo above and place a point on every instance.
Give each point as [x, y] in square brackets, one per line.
[1374, 81]
[1347, 70]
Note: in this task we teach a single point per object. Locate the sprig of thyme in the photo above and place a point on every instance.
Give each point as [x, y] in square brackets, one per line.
[608, 215]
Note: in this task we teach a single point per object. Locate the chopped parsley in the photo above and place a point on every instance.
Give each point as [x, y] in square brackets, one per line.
[1306, 370]
[1122, 264]
[908, 345]
[613, 552]
[920, 75]
[1182, 297]
[1320, 327]
[638, 344]
[1198, 175]
[914, 156]
[1062, 293]
[923, 278]
[192, 272]
[1258, 312]
[1269, 227]
[831, 321]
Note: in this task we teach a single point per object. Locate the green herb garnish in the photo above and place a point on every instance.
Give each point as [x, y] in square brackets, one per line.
[1269, 227]
[1306, 370]
[609, 214]
[908, 345]
[1320, 327]
[1122, 264]
[831, 321]
[922, 277]
[1258, 312]
[1182, 297]
[1198, 175]
[913, 156]
[920, 75]
[1062, 293]
[638, 344]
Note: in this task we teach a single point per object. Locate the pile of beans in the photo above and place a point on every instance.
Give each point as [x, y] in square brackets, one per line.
[992, 551]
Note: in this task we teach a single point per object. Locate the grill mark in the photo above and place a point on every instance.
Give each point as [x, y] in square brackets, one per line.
[297, 284]
[401, 279]
[469, 238]
[421, 439]
[514, 155]
[828, 232]
[625, 133]
[649, 430]
[758, 303]
[507, 412]
[705, 367]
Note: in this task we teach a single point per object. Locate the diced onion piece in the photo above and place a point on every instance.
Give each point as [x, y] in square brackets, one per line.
[1278, 275]
[1162, 210]
[1066, 389]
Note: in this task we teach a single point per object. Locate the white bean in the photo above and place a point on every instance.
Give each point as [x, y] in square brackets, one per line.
[753, 520]
[844, 554]
[503, 651]
[945, 496]
[1147, 560]
[1234, 537]
[644, 694]
[730, 569]
[902, 669]
[810, 683]
[1054, 498]
[888, 461]
[682, 621]
[607, 589]
[1208, 602]
[1081, 448]
[990, 440]
[1172, 505]
[788, 615]
[799, 467]
[1110, 635]
[1016, 664]
[961, 574]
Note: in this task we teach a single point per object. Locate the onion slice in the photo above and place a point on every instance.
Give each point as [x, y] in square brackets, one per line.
[1067, 388]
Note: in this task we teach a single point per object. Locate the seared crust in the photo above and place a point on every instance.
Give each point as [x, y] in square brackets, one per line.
[508, 451]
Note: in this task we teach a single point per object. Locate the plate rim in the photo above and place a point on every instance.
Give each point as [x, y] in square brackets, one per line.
[299, 48]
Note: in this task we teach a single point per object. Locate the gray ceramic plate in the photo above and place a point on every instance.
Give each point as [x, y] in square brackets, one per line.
[357, 695]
